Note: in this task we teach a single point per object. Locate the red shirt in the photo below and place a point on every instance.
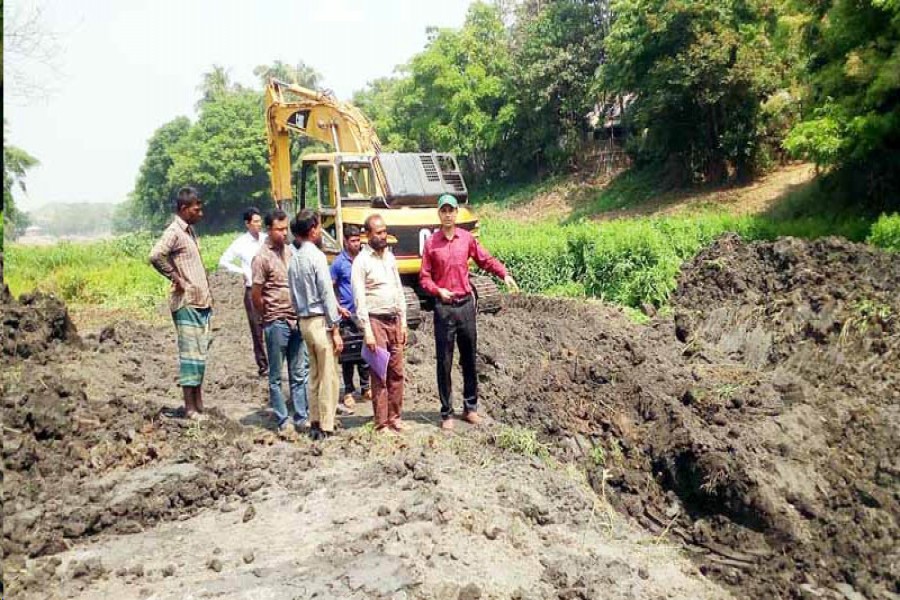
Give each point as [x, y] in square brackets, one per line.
[445, 263]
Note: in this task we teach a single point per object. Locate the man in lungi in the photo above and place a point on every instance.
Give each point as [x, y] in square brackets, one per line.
[177, 258]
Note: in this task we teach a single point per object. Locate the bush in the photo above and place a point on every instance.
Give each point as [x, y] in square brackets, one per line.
[885, 233]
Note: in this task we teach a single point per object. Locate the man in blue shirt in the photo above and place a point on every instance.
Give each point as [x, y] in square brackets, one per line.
[340, 275]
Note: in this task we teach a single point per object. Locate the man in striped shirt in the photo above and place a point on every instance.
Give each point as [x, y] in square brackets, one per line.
[177, 258]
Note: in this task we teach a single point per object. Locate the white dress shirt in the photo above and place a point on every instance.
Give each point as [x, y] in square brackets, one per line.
[243, 249]
[376, 285]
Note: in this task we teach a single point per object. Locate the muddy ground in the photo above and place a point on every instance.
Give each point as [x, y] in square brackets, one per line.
[744, 446]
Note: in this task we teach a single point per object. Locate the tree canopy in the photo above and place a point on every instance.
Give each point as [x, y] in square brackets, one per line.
[709, 91]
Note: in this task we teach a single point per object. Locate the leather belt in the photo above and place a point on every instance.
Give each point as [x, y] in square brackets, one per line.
[386, 318]
[459, 301]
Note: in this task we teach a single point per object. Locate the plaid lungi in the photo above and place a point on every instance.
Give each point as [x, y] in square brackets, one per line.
[192, 327]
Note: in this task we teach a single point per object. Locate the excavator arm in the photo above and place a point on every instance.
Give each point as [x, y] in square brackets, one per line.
[292, 108]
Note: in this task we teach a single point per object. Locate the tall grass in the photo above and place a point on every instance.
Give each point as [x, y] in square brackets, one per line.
[633, 261]
[627, 261]
[113, 273]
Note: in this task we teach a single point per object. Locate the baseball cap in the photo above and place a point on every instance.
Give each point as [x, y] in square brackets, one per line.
[447, 199]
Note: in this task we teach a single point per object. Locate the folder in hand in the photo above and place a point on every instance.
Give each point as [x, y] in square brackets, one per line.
[377, 361]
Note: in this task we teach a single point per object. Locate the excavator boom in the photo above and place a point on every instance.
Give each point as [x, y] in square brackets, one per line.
[314, 114]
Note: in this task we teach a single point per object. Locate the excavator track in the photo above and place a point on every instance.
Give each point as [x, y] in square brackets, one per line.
[487, 293]
[413, 308]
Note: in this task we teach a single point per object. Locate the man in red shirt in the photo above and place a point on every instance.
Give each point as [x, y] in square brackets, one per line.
[445, 275]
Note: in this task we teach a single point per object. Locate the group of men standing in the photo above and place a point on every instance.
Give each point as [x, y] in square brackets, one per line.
[296, 317]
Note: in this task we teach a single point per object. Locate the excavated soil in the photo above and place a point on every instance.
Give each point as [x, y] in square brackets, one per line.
[756, 429]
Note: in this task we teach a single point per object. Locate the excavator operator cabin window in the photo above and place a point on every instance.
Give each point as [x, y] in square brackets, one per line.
[356, 181]
[326, 188]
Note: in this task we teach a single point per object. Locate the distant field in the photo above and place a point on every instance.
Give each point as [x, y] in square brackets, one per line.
[626, 261]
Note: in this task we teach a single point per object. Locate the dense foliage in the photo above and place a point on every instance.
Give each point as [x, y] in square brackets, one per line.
[853, 49]
[223, 153]
[703, 91]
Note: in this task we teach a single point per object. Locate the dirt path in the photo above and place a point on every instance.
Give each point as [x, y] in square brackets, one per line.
[755, 198]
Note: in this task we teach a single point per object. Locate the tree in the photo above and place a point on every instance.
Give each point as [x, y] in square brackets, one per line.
[558, 47]
[225, 155]
[853, 120]
[16, 163]
[151, 201]
[455, 97]
[29, 53]
[216, 84]
[300, 74]
[700, 70]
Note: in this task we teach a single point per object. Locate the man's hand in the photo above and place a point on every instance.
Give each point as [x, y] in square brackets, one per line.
[370, 341]
[511, 284]
[404, 335]
[337, 339]
[345, 314]
[179, 285]
[445, 295]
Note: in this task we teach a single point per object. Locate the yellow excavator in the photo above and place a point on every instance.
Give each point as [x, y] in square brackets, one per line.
[358, 179]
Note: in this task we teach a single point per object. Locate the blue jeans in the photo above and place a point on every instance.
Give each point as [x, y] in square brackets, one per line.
[283, 342]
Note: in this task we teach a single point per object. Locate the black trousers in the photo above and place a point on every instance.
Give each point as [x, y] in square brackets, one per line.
[347, 368]
[455, 325]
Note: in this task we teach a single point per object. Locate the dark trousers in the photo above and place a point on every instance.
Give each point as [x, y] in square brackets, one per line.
[347, 368]
[455, 325]
[363, 370]
[387, 396]
[256, 332]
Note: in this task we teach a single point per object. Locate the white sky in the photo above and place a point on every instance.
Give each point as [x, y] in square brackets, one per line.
[125, 67]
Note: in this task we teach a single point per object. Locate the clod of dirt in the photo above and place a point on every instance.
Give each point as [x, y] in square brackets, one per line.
[214, 564]
[249, 557]
[492, 531]
[249, 514]
[470, 591]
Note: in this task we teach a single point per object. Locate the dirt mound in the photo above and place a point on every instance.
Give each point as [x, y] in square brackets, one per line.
[75, 465]
[759, 426]
[33, 323]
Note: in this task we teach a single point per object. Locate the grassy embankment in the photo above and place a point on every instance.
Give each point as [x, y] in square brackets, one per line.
[114, 274]
[628, 261]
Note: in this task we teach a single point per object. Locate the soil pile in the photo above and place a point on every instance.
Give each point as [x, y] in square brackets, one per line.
[759, 426]
[75, 465]
[33, 324]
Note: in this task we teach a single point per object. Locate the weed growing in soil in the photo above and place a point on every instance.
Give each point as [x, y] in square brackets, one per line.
[522, 441]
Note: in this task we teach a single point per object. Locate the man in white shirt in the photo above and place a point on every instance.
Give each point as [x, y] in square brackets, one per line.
[381, 310]
[238, 259]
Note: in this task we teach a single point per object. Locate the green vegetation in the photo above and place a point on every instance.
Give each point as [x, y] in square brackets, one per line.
[16, 163]
[632, 261]
[886, 232]
[522, 441]
[111, 273]
[628, 262]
